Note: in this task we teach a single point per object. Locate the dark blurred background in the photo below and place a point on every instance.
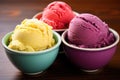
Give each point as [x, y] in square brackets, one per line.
[20, 9]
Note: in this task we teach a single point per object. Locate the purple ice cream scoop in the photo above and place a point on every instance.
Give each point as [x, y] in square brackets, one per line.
[87, 30]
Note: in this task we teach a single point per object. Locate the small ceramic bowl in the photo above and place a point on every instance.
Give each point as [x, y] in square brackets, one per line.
[60, 31]
[90, 59]
[32, 62]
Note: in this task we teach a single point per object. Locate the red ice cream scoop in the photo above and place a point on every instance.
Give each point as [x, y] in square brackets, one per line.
[58, 14]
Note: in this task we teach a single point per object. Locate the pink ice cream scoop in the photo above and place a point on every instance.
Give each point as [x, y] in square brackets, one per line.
[58, 14]
[87, 30]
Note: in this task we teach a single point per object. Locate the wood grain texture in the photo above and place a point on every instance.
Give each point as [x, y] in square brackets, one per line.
[12, 12]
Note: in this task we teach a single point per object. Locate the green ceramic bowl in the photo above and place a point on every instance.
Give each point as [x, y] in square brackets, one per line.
[32, 62]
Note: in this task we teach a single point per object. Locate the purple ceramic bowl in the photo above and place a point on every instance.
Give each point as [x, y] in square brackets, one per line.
[90, 59]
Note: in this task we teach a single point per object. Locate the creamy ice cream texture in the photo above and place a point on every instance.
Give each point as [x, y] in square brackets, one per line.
[58, 14]
[32, 35]
[87, 30]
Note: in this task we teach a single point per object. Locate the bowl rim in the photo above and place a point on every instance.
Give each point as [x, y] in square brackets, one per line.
[57, 30]
[34, 52]
[91, 49]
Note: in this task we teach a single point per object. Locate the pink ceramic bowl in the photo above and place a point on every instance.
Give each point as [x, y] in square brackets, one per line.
[39, 15]
[90, 59]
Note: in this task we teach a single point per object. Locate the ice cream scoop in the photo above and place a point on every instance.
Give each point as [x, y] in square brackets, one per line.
[87, 30]
[32, 35]
[58, 14]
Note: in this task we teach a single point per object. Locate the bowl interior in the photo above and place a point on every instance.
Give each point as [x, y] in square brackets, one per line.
[64, 35]
[38, 15]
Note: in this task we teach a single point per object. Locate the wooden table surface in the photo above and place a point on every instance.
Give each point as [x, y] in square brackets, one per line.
[12, 12]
